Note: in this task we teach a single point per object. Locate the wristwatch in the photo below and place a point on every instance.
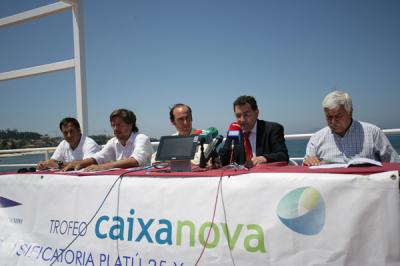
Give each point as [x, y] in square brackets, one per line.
[60, 164]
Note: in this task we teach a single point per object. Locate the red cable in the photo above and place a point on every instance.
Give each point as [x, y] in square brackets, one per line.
[212, 221]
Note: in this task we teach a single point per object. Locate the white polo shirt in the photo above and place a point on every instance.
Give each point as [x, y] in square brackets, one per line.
[138, 146]
[87, 147]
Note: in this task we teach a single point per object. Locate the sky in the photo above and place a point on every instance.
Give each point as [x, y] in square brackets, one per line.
[146, 55]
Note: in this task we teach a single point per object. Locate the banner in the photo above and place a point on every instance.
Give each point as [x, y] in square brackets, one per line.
[250, 219]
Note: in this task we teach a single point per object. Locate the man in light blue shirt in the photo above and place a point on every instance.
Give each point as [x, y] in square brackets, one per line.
[344, 138]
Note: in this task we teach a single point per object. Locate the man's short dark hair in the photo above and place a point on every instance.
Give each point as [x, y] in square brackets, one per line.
[242, 100]
[68, 120]
[127, 116]
[171, 110]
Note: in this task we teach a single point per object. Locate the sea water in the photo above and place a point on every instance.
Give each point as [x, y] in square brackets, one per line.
[297, 148]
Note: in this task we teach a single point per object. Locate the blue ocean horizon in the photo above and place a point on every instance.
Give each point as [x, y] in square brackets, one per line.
[297, 148]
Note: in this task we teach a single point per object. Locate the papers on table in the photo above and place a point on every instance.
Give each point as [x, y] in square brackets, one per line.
[357, 162]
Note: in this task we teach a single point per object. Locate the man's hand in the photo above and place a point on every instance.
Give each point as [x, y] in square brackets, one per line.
[96, 167]
[42, 165]
[258, 160]
[312, 160]
[255, 161]
[73, 166]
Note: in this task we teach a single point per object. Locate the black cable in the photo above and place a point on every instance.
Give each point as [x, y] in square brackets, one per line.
[118, 197]
[97, 211]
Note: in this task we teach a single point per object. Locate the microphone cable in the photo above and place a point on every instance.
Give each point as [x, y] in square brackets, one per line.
[212, 220]
[119, 193]
[97, 210]
[118, 198]
[227, 227]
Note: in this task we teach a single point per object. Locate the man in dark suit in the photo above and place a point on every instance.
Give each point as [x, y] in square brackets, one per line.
[261, 141]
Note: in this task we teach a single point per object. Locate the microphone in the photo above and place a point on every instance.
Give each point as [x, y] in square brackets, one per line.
[213, 147]
[234, 132]
[197, 132]
[234, 126]
[234, 136]
[205, 136]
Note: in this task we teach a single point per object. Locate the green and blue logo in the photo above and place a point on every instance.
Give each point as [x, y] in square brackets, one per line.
[250, 237]
[303, 211]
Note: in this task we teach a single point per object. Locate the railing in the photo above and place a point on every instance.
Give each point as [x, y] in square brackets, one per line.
[77, 62]
[47, 150]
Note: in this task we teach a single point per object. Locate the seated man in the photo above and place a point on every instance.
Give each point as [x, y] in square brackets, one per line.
[263, 141]
[180, 115]
[127, 149]
[73, 147]
[344, 138]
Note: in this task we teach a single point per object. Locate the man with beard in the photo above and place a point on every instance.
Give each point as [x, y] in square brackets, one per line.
[126, 149]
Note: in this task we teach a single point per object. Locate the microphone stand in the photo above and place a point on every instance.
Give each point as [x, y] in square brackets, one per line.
[214, 156]
[232, 159]
[202, 157]
[233, 164]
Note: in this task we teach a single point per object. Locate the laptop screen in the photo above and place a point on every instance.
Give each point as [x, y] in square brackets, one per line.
[176, 148]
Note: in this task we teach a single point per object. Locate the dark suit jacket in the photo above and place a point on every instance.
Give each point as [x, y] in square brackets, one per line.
[270, 143]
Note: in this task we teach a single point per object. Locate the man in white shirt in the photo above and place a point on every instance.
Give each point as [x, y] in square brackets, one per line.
[74, 146]
[180, 116]
[127, 149]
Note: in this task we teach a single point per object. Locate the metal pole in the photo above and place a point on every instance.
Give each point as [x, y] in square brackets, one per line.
[80, 65]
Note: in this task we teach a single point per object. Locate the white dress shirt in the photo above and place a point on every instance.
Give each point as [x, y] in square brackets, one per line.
[86, 148]
[138, 147]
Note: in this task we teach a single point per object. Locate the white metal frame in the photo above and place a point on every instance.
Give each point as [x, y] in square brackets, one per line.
[78, 62]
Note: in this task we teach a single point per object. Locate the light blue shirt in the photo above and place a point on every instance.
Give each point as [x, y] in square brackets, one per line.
[362, 140]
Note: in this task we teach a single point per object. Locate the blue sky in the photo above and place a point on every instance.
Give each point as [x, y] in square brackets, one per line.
[147, 55]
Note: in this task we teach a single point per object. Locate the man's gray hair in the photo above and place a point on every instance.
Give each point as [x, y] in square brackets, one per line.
[338, 98]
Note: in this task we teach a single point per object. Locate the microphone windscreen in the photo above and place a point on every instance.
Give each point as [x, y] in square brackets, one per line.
[197, 132]
[212, 131]
[234, 132]
[234, 126]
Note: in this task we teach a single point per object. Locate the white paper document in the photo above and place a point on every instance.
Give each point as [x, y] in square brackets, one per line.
[354, 162]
